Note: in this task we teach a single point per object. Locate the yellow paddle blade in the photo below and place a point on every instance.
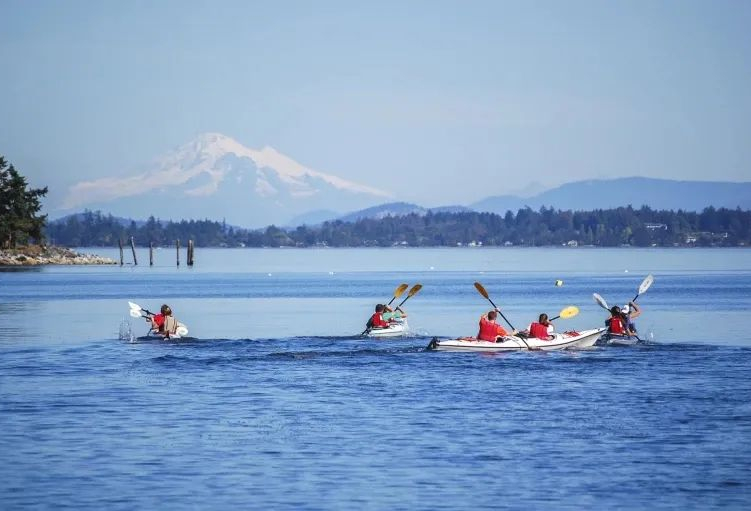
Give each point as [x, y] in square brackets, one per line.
[481, 290]
[399, 291]
[569, 312]
[415, 289]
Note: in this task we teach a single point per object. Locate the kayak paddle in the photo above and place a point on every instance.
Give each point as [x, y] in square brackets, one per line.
[568, 312]
[399, 291]
[138, 309]
[484, 293]
[646, 283]
[412, 292]
[600, 301]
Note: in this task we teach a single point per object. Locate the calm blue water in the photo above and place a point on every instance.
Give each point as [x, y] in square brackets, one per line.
[279, 405]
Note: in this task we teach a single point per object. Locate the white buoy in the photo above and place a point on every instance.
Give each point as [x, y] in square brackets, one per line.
[558, 283]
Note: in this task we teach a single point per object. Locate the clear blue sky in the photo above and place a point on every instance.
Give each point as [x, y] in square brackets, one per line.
[447, 102]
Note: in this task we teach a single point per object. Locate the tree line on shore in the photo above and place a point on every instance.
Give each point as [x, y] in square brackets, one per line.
[641, 227]
[21, 223]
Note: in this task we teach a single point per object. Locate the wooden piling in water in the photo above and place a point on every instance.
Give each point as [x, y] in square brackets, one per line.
[133, 249]
[151, 253]
[191, 248]
[177, 244]
[120, 244]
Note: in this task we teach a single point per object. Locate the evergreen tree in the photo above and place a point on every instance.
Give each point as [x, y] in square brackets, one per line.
[19, 208]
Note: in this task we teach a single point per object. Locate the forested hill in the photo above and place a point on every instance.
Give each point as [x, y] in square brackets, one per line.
[545, 227]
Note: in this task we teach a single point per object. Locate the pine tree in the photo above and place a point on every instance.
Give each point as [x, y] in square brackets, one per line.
[19, 208]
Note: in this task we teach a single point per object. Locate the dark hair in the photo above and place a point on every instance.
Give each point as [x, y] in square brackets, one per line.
[492, 315]
[166, 310]
[379, 307]
[615, 310]
[543, 317]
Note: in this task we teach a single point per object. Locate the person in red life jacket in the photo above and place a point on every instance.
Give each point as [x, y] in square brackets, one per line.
[376, 320]
[616, 323]
[489, 329]
[541, 329]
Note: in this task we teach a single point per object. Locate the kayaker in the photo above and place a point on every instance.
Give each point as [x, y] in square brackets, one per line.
[542, 328]
[390, 314]
[163, 323]
[489, 329]
[376, 320]
[630, 312]
[616, 323]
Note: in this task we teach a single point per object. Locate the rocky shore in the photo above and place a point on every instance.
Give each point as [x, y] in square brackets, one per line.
[35, 255]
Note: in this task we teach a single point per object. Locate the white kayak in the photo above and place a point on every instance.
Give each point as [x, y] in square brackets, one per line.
[398, 329]
[618, 340]
[565, 340]
[181, 333]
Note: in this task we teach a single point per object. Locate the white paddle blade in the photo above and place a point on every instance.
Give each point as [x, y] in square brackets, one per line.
[569, 312]
[134, 306]
[182, 330]
[135, 313]
[645, 285]
[600, 301]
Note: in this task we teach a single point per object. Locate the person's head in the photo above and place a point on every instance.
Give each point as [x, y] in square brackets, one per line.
[615, 310]
[492, 315]
[165, 310]
[626, 309]
[386, 308]
[543, 318]
[379, 307]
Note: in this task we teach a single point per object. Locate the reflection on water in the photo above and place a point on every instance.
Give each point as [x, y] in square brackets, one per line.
[21, 269]
[20, 320]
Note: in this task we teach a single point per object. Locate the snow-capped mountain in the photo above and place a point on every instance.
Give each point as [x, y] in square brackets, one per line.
[214, 176]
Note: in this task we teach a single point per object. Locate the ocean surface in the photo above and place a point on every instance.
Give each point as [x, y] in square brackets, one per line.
[275, 402]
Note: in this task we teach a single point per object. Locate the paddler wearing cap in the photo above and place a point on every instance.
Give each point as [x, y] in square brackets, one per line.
[630, 312]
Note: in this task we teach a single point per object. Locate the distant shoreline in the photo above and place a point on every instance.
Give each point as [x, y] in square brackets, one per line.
[36, 255]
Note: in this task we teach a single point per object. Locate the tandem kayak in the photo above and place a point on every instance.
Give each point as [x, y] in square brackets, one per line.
[565, 340]
[394, 330]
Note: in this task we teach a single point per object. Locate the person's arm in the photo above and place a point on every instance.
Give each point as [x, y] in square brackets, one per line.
[635, 310]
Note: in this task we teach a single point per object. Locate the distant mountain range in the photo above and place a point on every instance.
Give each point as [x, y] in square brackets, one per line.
[634, 191]
[216, 177]
[578, 196]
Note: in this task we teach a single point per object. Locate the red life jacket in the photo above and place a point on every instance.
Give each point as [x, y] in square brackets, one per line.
[158, 320]
[538, 330]
[377, 321]
[489, 330]
[615, 325]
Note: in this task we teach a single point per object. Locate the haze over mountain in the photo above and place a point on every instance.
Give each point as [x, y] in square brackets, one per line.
[634, 191]
[214, 176]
